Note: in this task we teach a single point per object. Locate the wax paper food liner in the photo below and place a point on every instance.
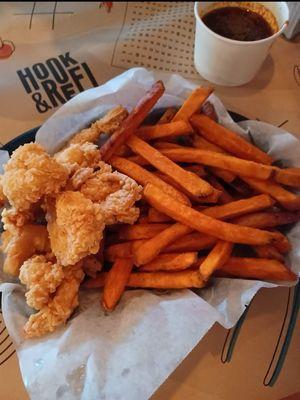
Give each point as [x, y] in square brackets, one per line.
[129, 353]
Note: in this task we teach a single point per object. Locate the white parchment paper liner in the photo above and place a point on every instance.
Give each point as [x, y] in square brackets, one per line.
[129, 353]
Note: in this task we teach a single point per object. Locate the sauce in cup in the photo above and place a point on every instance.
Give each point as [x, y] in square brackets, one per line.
[238, 24]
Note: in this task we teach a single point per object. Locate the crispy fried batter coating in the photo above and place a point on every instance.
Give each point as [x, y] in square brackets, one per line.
[76, 194]
[21, 244]
[60, 307]
[75, 226]
[41, 277]
[116, 193]
[31, 174]
[78, 156]
[2, 196]
[13, 219]
[108, 124]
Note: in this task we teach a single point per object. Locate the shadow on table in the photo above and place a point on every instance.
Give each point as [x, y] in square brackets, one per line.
[260, 81]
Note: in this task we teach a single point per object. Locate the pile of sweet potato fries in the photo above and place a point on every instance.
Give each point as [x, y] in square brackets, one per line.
[206, 191]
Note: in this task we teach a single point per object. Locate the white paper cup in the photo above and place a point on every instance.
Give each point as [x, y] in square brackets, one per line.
[230, 62]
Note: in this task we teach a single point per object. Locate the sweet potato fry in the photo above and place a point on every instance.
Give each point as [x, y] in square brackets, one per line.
[212, 198]
[123, 151]
[217, 257]
[203, 223]
[167, 115]
[239, 207]
[267, 219]
[225, 197]
[152, 247]
[133, 121]
[138, 160]
[115, 282]
[195, 241]
[169, 130]
[192, 104]
[288, 176]
[142, 176]
[143, 219]
[166, 280]
[257, 268]
[244, 167]
[268, 251]
[196, 168]
[188, 243]
[228, 140]
[190, 182]
[95, 283]
[227, 211]
[140, 231]
[201, 143]
[165, 145]
[121, 250]
[157, 217]
[282, 243]
[226, 176]
[171, 262]
[154, 280]
[287, 199]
